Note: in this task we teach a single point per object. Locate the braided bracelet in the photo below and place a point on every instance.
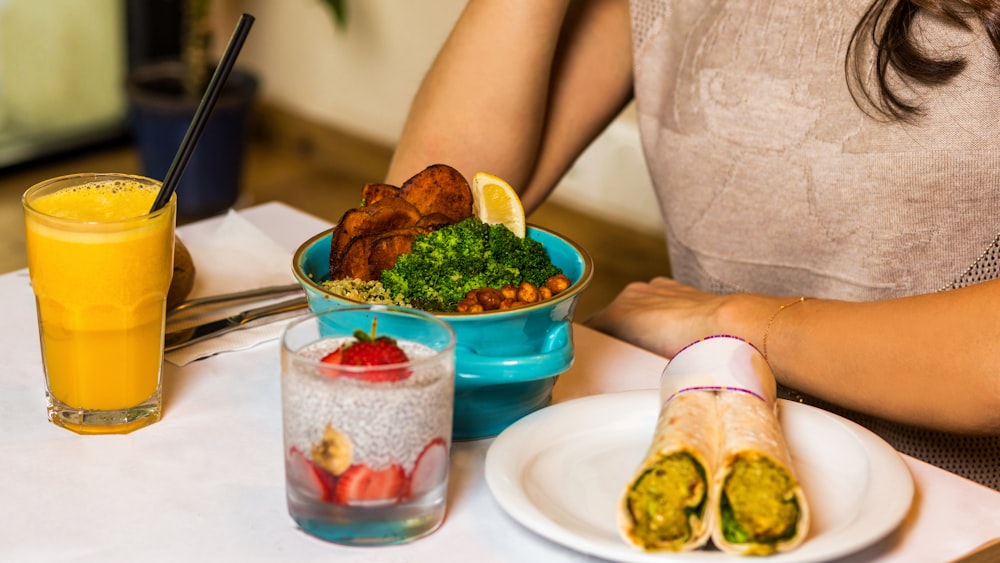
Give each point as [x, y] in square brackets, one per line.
[767, 329]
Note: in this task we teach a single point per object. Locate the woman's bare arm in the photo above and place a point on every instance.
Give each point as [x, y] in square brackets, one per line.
[930, 360]
[519, 89]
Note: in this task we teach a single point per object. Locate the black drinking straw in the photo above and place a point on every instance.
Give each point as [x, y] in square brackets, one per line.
[211, 96]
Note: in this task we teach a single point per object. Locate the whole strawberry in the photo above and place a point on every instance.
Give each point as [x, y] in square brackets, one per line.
[369, 350]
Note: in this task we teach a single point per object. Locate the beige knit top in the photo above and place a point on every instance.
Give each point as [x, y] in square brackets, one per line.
[772, 180]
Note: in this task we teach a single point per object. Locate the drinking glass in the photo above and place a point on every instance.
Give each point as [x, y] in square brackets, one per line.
[100, 265]
[367, 447]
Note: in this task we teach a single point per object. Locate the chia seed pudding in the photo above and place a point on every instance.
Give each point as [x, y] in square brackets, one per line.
[385, 422]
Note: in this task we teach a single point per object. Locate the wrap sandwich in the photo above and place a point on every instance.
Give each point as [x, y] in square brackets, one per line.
[718, 422]
[760, 505]
[666, 504]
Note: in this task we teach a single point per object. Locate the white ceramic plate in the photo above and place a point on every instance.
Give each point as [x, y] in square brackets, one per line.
[559, 472]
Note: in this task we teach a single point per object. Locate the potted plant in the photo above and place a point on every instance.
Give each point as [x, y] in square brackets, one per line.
[164, 96]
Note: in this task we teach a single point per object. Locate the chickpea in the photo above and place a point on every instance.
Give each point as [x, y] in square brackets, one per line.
[509, 291]
[544, 293]
[527, 292]
[469, 306]
[489, 298]
[557, 283]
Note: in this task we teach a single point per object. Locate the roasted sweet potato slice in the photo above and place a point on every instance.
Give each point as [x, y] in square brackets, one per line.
[353, 262]
[439, 188]
[366, 256]
[388, 214]
[351, 224]
[385, 250]
[370, 238]
[434, 221]
[374, 192]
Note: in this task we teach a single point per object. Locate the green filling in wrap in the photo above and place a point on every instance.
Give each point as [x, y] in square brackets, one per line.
[758, 503]
[665, 497]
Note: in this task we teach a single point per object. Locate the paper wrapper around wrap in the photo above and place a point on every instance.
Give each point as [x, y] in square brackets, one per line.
[718, 406]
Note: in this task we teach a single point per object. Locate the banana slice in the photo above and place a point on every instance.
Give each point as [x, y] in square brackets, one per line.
[333, 452]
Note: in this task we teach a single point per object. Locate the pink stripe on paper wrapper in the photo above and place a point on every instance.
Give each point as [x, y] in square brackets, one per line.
[718, 363]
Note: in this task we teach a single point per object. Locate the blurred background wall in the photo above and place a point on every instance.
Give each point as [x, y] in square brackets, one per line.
[62, 65]
[361, 79]
[61, 69]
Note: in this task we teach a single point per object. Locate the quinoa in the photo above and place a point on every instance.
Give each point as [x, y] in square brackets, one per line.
[363, 291]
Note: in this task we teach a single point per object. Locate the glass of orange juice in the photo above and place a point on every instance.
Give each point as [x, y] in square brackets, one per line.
[100, 264]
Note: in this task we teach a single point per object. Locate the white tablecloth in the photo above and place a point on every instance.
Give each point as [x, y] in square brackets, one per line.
[206, 483]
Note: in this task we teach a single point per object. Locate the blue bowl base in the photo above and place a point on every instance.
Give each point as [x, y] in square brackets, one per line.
[483, 412]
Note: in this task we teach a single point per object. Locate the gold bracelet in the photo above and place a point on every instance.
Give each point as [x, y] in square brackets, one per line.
[767, 329]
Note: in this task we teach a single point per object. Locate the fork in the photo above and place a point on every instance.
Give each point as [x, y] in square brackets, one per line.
[235, 297]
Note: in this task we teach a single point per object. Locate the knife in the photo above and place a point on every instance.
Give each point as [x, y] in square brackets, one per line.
[246, 319]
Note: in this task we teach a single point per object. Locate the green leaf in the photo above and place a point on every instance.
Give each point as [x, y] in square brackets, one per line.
[339, 10]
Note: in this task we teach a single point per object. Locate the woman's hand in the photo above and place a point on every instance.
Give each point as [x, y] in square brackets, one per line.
[662, 315]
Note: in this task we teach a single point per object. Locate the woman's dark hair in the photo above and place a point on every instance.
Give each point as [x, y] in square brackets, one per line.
[885, 30]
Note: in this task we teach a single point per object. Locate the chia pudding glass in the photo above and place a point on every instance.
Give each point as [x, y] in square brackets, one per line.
[367, 446]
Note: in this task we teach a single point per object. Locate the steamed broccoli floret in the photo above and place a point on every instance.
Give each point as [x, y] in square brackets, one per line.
[446, 264]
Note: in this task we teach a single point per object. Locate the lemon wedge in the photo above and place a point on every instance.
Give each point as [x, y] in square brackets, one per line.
[494, 201]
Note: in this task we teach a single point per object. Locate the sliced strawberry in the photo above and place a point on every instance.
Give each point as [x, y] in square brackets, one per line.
[430, 469]
[362, 484]
[333, 357]
[309, 477]
[378, 352]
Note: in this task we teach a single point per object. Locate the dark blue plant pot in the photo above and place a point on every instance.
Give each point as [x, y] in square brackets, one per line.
[159, 116]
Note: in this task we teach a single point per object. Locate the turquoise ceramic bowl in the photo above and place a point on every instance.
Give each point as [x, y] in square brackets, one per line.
[506, 362]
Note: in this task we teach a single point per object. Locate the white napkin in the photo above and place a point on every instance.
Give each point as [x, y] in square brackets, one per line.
[231, 256]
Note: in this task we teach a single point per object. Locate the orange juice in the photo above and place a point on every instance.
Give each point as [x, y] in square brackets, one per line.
[100, 267]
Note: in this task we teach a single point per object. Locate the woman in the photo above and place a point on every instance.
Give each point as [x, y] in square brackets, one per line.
[844, 152]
